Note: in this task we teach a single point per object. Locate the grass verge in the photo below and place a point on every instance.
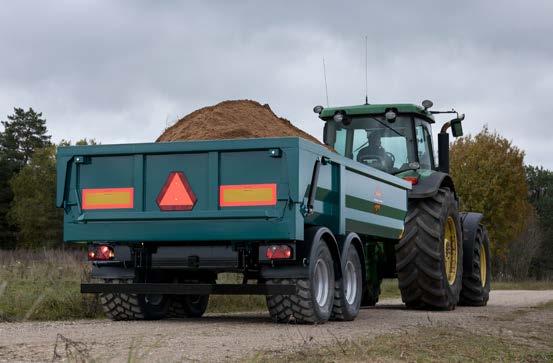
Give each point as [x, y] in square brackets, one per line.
[44, 285]
[432, 344]
[523, 285]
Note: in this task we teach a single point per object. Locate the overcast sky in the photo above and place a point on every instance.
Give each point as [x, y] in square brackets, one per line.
[116, 71]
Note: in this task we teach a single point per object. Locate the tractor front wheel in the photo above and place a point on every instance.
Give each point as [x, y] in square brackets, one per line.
[477, 281]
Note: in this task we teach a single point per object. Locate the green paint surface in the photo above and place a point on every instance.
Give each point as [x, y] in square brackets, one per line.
[380, 109]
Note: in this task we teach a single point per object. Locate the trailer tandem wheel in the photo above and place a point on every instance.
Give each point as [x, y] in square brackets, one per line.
[348, 290]
[118, 306]
[312, 304]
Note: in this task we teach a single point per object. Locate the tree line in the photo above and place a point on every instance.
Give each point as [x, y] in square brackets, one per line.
[28, 215]
[488, 170]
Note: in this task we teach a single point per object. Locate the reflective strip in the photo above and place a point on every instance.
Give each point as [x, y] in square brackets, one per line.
[244, 195]
[108, 198]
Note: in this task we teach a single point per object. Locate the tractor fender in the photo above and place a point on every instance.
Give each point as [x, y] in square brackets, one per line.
[470, 222]
[429, 186]
[353, 239]
[316, 233]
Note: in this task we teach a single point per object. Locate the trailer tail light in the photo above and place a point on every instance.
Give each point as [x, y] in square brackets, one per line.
[247, 195]
[411, 179]
[278, 252]
[101, 253]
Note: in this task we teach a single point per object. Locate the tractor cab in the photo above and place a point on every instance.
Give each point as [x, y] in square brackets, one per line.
[394, 138]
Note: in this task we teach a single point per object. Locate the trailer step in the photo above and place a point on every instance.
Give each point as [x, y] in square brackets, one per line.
[189, 289]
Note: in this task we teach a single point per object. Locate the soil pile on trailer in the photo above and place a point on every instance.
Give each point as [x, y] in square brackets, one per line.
[237, 119]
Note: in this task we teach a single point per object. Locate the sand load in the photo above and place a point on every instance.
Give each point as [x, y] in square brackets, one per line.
[236, 119]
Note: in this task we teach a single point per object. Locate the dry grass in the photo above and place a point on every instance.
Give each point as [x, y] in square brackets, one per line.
[44, 285]
[437, 344]
[520, 339]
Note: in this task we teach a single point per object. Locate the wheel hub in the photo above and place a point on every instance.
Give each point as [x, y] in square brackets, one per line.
[154, 299]
[451, 252]
[321, 282]
[483, 266]
[350, 283]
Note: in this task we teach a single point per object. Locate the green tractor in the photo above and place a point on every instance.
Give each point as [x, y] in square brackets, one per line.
[443, 257]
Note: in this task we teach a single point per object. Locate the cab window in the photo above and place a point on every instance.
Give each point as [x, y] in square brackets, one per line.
[423, 147]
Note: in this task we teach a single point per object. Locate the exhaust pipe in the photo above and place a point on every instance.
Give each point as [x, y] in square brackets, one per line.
[443, 152]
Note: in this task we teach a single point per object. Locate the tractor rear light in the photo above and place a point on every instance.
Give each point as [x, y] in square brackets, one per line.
[101, 253]
[279, 252]
[411, 179]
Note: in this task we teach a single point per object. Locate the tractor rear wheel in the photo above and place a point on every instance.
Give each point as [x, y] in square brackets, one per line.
[119, 306]
[476, 283]
[429, 256]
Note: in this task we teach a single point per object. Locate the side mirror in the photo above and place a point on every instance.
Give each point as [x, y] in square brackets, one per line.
[329, 133]
[456, 126]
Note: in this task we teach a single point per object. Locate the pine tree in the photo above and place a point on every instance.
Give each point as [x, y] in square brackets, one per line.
[24, 132]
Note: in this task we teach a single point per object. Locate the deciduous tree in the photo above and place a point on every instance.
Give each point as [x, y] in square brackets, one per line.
[489, 176]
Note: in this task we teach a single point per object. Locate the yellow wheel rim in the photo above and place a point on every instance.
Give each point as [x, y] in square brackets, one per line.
[483, 266]
[451, 252]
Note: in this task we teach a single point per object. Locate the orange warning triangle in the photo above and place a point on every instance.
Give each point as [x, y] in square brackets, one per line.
[176, 194]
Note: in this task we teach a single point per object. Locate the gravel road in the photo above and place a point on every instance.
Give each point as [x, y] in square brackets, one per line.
[229, 336]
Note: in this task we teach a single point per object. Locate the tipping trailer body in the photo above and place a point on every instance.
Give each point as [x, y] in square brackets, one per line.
[174, 215]
[349, 196]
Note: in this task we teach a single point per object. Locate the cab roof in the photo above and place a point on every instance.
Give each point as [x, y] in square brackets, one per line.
[374, 110]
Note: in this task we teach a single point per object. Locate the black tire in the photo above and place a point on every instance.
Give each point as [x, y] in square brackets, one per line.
[119, 306]
[310, 305]
[187, 306]
[477, 283]
[371, 294]
[280, 306]
[420, 255]
[347, 303]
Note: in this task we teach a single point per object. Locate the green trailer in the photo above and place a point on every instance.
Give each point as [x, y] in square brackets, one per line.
[309, 228]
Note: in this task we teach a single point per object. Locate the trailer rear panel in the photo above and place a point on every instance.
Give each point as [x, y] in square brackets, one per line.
[239, 190]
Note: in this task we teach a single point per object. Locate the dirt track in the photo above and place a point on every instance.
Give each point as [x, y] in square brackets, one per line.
[232, 336]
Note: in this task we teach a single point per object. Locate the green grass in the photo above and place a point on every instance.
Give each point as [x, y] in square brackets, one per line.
[234, 303]
[389, 289]
[436, 344]
[522, 285]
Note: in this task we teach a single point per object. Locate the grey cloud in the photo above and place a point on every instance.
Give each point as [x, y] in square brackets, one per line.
[117, 70]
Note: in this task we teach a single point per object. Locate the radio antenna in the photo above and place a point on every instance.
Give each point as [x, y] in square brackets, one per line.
[366, 73]
[326, 85]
